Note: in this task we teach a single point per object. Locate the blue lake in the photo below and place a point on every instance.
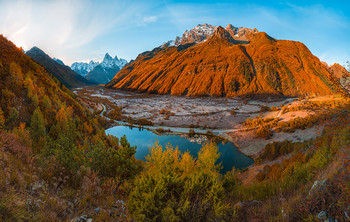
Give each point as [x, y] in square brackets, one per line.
[145, 139]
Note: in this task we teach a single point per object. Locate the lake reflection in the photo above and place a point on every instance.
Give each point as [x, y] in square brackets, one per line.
[145, 139]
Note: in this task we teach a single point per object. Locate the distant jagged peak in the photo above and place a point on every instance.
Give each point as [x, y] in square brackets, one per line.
[109, 62]
[221, 33]
[198, 34]
[93, 63]
[83, 68]
[107, 57]
[202, 32]
[205, 29]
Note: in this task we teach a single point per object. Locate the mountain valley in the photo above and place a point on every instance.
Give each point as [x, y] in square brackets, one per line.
[222, 124]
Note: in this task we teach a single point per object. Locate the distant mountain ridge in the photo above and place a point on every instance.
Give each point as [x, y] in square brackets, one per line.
[215, 61]
[63, 73]
[105, 71]
[83, 68]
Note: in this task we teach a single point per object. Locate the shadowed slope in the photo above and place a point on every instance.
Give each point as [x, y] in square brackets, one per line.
[63, 73]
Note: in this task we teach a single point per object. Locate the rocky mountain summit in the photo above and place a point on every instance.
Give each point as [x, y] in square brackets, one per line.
[105, 71]
[83, 68]
[202, 32]
[97, 72]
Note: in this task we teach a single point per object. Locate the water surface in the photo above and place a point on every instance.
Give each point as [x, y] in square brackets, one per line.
[145, 139]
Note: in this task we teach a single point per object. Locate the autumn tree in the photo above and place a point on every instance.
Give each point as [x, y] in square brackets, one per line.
[12, 118]
[35, 101]
[37, 130]
[16, 71]
[47, 102]
[7, 99]
[117, 162]
[176, 187]
[2, 120]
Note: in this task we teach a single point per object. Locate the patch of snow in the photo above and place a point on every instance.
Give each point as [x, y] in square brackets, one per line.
[109, 62]
[83, 67]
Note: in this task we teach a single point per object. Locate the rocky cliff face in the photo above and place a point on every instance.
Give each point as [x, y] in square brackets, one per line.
[83, 68]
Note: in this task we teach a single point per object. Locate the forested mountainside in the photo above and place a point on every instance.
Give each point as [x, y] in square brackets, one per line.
[49, 144]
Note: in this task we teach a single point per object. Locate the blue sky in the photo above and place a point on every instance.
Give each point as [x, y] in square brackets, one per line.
[80, 30]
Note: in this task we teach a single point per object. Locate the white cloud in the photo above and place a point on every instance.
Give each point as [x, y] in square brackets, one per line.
[149, 19]
[58, 26]
[74, 30]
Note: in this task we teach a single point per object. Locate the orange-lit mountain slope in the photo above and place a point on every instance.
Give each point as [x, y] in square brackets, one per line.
[254, 64]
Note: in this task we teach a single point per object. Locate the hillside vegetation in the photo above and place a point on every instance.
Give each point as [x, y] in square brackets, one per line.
[49, 142]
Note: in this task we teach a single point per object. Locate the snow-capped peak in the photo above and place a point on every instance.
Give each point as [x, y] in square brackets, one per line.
[83, 68]
[109, 62]
[204, 29]
[202, 32]
[92, 63]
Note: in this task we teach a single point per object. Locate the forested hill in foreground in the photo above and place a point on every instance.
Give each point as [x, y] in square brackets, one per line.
[222, 64]
[50, 144]
[25, 86]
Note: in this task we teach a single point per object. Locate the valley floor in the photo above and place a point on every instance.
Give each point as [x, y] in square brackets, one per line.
[224, 117]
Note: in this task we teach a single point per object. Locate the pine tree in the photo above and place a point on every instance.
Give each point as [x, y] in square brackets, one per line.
[12, 118]
[47, 103]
